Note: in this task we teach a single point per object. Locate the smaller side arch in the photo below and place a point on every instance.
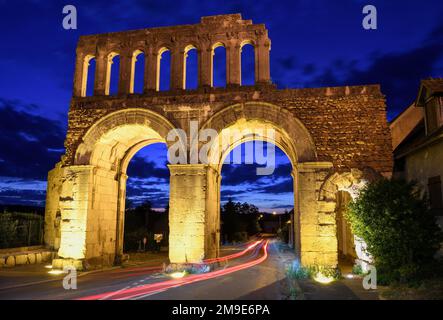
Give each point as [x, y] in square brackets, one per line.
[332, 193]
[351, 181]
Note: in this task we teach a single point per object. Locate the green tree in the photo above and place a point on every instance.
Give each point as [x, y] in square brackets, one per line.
[400, 232]
[239, 220]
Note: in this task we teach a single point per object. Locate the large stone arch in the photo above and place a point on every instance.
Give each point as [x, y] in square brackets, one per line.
[252, 119]
[92, 191]
[290, 133]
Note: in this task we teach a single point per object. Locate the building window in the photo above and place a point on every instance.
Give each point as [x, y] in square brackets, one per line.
[435, 195]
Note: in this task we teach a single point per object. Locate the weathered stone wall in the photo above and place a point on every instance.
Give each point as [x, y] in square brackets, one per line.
[347, 124]
[324, 131]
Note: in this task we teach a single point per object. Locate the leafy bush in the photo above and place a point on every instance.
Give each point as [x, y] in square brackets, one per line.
[18, 229]
[296, 271]
[357, 269]
[400, 232]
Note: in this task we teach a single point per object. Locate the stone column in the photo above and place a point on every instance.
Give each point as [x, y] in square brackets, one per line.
[262, 67]
[296, 219]
[120, 225]
[233, 64]
[193, 209]
[205, 66]
[151, 67]
[52, 208]
[80, 74]
[318, 240]
[177, 69]
[126, 75]
[101, 70]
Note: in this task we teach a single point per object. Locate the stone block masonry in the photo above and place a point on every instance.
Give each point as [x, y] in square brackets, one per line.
[337, 138]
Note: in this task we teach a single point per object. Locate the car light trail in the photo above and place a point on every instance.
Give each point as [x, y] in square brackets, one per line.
[234, 255]
[145, 270]
[145, 290]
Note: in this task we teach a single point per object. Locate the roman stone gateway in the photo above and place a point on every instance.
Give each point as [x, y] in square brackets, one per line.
[335, 137]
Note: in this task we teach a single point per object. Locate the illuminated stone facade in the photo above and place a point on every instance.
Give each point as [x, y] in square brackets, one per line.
[326, 133]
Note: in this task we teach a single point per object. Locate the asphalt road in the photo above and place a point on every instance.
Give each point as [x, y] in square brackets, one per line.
[264, 280]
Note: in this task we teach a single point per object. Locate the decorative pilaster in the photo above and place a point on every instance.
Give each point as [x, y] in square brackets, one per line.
[101, 70]
[205, 66]
[126, 75]
[262, 67]
[80, 75]
[233, 64]
[178, 69]
[151, 67]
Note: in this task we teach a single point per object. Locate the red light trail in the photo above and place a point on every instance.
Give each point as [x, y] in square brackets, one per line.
[137, 271]
[132, 293]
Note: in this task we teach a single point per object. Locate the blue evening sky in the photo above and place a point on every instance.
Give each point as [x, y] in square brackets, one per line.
[314, 43]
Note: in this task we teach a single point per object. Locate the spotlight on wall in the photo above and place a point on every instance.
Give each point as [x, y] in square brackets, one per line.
[321, 278]
[177, 275]
[56, 272]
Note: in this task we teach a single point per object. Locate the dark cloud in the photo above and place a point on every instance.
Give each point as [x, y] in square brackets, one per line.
[23, 197]
[278, 188]
[30, 145]
[309, 69]
[140, 191]
[234, 174]
[141, 168]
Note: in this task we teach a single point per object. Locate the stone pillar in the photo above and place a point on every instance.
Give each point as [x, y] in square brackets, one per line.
[80, 75]
[233, 64]
[52, 208]
[88, 205]
[126, 74]
[178, 69]
[101, 70]
[120, 226]
[205, 66]
[75, 198]
[296, 218]
[262, 67]
[318, 240]
[193, 210]
[151, 67]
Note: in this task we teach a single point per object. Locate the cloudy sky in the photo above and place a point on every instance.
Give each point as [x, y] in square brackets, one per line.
[314, 43]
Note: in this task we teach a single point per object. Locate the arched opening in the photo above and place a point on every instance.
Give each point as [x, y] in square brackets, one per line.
[247, 57]
[253, 204]
[146, 227]
[112, 74]
[219, 65]
[100, 168]
[164, 69]
[345, 237]
[191, 68]
[88, 76]
[137, 72]
[336, 192]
